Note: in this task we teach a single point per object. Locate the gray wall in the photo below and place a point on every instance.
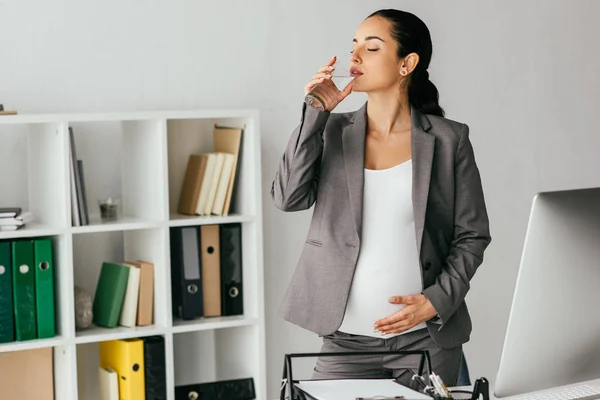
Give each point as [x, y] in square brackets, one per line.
[523, 75]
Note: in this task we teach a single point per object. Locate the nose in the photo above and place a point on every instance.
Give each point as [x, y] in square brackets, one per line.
[354, 58]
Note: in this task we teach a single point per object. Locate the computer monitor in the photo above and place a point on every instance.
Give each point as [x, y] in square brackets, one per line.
[553, 334]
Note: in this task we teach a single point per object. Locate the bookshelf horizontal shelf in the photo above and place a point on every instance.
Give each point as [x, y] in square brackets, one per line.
[33, 344]
[99, 334]
[184, 220]
[127, 116]
[122, 224]
[212, 323]
[33, 229]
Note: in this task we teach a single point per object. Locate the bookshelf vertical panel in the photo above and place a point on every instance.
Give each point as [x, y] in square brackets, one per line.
[65, 372]
[48, 181]
[64, 286]
[142, 160]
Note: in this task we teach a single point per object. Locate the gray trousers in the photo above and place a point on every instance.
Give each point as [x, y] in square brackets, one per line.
[444, 362]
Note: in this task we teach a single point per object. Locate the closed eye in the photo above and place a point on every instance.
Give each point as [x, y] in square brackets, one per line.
[367, 50]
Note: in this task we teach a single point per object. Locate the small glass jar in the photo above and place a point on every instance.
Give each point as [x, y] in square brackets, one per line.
[109, 209]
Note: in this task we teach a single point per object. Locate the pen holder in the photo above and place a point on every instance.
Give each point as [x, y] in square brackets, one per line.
[290, 392]
[481, 391]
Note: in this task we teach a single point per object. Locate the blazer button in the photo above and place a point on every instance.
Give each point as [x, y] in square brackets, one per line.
[427, 266]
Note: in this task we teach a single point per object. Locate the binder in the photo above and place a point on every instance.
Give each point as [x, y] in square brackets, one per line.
[207, 176]
[211, 270]
[24, 290]
[110, 293]
[145, 313]
[130, 302]
[44, 287]
[109, 384]
[27, 374]
[232, 294]
[228, 140]
[186, 276]
[7, 327]
[235, 389]
[155, 368]
[126, 357]
[214, 182]
[192, 182]
[223, 183]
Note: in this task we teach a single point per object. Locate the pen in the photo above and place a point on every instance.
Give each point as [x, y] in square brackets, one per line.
[436, 385]
[442, 387]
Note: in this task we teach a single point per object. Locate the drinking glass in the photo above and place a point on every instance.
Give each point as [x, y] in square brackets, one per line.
[323, 94]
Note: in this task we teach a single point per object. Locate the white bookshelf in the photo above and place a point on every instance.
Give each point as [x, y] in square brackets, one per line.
[140, 158]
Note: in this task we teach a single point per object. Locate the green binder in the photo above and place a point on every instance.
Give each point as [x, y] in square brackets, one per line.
[23, 289]
[110, 293]
[7, 328]
[44, 287]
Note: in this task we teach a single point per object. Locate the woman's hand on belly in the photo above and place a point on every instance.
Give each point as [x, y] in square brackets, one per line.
[417, 310]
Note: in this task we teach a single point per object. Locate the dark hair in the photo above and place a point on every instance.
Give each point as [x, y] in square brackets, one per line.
[412, 36]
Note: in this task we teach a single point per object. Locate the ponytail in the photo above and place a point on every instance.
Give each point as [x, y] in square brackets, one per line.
[423, 94]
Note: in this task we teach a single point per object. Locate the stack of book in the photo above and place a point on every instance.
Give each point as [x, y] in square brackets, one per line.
[6, 112]
[26, 290]
[210, 177]
[13, 218]
[79, 207]
[124, 295]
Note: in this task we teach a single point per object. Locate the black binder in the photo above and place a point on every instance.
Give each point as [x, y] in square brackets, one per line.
[232, 295]
[236, 389]
[186, 272]
[155, 368]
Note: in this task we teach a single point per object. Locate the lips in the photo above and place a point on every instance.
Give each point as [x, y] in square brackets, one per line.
[355, 72]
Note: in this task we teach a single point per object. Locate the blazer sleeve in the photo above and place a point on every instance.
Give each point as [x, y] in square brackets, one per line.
[471, 235]
[296, 180]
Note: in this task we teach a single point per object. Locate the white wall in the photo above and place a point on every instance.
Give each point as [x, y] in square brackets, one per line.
[523, 75]
[80, 55]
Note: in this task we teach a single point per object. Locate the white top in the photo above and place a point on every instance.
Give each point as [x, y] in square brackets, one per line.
[388, 263]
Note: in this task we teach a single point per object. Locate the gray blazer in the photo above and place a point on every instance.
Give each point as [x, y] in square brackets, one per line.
[323, 165]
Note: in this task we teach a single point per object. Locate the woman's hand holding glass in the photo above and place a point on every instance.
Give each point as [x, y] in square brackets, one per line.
[322, 93]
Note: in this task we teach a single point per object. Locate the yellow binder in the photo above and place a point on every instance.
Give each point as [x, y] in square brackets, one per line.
[127, 358]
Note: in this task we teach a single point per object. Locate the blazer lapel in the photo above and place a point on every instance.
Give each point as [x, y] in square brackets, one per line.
[353, 142]
[422, 147]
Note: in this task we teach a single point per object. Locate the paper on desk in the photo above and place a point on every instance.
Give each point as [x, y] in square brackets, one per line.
[350, 389]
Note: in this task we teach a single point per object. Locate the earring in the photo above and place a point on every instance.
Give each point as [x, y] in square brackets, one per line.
[403, 73]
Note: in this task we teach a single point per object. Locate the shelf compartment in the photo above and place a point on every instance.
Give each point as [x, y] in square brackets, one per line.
[88, 364]
[136, 179]
[35, 175]
[216, 355]
[187, 136]
[90, 250]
